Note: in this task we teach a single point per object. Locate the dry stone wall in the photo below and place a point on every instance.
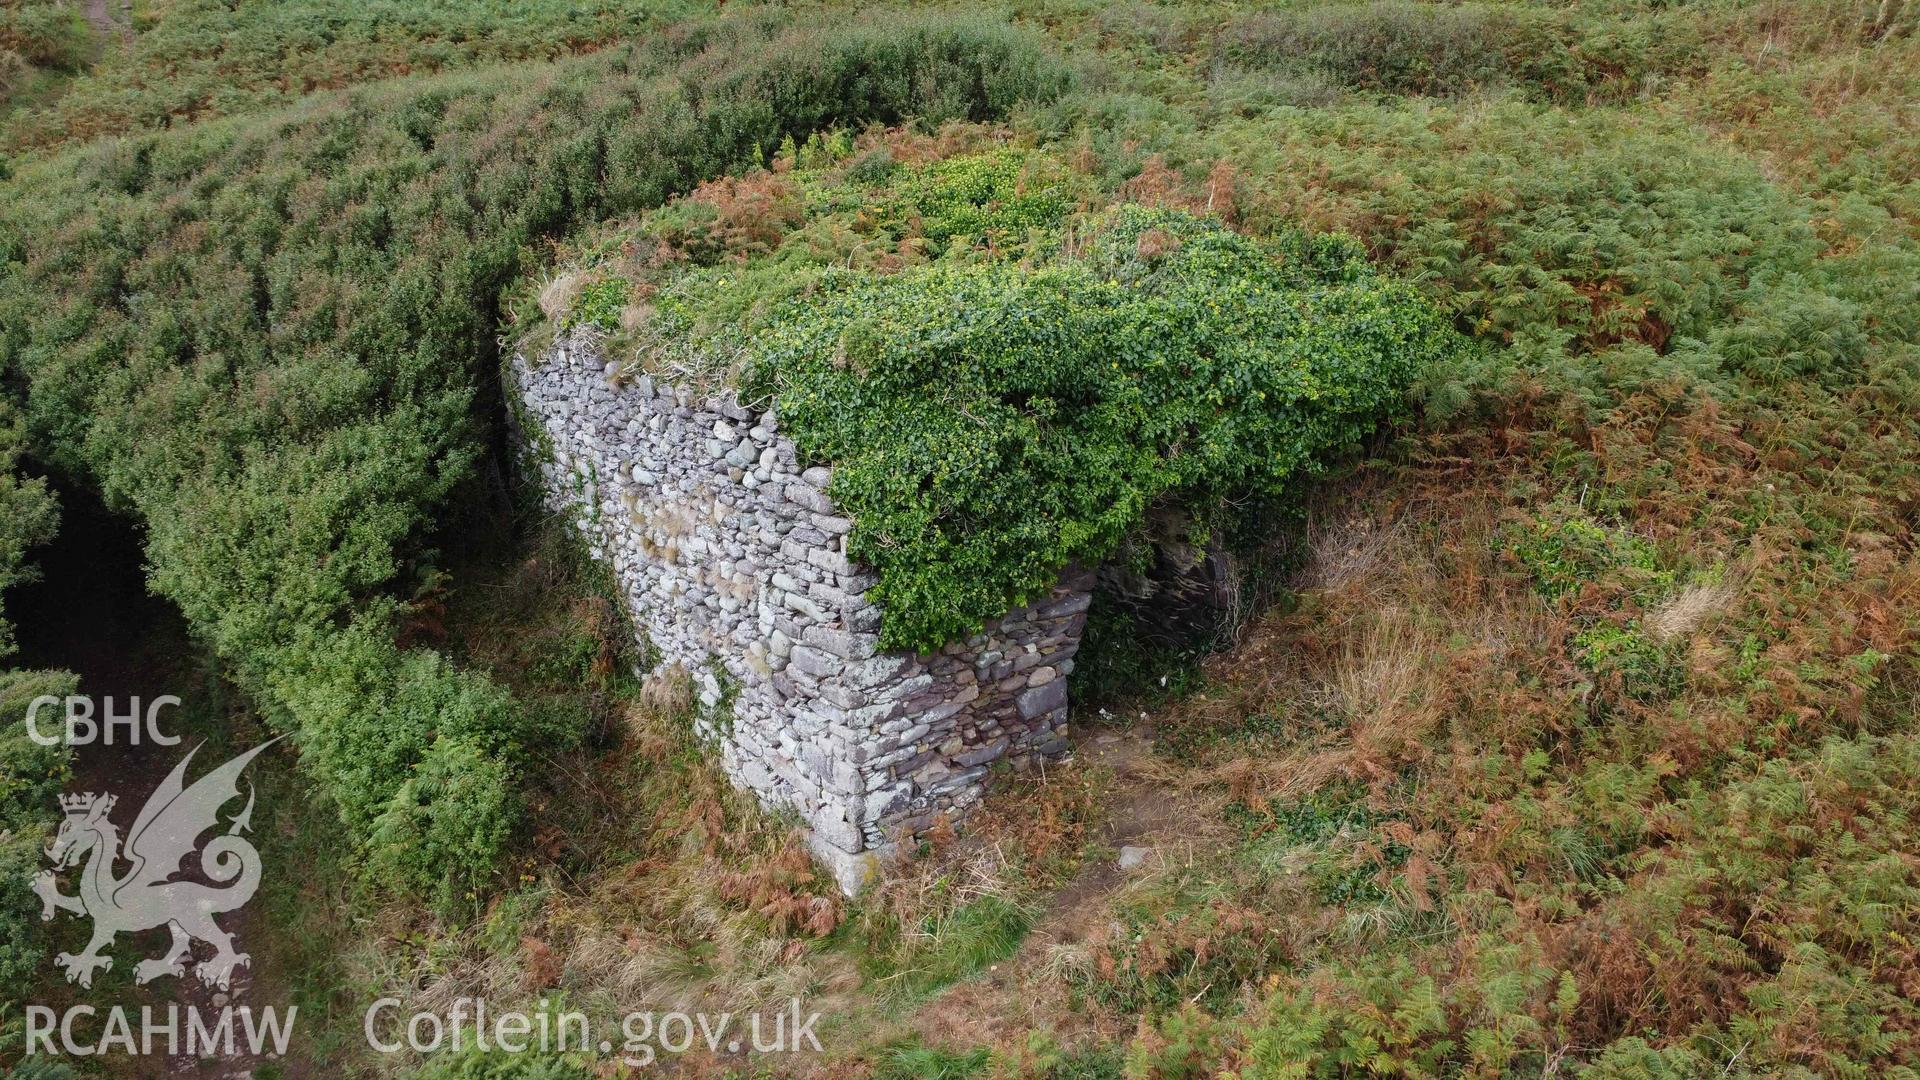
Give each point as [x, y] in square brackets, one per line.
[733, 563]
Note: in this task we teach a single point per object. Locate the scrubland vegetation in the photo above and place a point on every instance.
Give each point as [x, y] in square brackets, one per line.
[1579, 737]
[197, 59]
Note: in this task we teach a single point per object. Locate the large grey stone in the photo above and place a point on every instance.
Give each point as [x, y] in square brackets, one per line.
[1040, 700]
[810, 497]
[815, 662]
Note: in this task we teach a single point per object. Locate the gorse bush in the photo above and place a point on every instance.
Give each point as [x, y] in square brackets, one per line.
[448, 823]
[1401, 47]
[264, 338]
[31, 777]
[39, 37]
[206, 58]
[28, 517]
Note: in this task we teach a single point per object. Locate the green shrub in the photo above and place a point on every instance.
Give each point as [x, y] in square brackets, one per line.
[1563, 550]
[600, 303]
[364, 747]
[45, 34]
[31, 779]
[441, 834]
[1404, 47]
[31, 775]
[203, 58]
[991, 424]
[993, 200]
[28, 517]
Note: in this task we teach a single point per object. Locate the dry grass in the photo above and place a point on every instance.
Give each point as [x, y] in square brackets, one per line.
[1392, 690]
[1689, 610]
[667, 692]
[557, 292]
[1348, 548]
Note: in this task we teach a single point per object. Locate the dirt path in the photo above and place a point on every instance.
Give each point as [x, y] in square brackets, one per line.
[91, 614]
[1150, 818]
[100, 13]
[132, 774]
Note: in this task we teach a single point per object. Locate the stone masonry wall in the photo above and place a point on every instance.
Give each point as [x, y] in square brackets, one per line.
[733, 563]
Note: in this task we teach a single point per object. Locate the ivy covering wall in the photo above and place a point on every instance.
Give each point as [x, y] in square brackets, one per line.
[1007, 373]
[990, 424]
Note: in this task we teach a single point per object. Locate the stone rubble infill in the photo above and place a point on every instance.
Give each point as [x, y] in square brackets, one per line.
[733, 562]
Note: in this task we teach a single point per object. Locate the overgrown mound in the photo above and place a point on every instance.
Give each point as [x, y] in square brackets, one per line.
[1018, 374]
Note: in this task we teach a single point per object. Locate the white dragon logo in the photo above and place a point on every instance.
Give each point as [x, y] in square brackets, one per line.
[167, 830]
